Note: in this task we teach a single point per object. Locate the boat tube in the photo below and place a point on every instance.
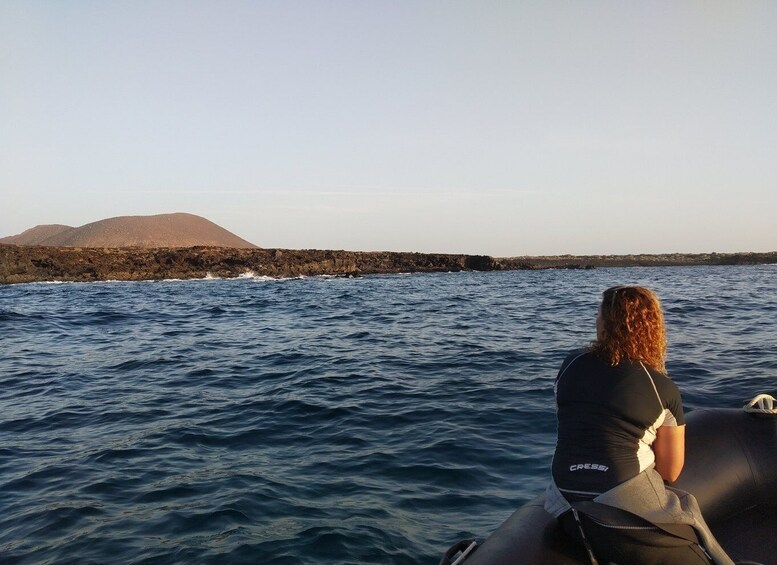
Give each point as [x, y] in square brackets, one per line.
[730, 466]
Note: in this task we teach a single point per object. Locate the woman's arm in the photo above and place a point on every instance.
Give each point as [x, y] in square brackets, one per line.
[669, 448]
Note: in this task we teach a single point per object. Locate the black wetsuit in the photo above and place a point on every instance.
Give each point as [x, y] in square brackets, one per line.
[607, 420]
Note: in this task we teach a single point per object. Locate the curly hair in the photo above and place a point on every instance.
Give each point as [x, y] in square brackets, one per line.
[632, 327]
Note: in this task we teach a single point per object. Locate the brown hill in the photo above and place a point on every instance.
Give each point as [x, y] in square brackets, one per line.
[164, 230]
[36, 235]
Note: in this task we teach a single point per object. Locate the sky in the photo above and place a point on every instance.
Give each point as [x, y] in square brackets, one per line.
[504, 128]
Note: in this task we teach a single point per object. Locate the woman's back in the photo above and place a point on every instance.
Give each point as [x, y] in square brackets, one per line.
[607, 417]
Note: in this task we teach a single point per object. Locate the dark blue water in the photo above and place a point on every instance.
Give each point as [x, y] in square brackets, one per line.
[321, 420]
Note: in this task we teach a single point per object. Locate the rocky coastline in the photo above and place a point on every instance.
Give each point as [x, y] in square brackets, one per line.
[24, 264]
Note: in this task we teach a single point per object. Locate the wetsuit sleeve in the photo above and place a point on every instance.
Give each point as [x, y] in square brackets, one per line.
[672, 401]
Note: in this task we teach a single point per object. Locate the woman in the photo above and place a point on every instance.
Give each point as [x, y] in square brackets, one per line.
[621, 434]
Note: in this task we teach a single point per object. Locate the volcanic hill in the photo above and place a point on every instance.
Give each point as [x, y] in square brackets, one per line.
[164, 230]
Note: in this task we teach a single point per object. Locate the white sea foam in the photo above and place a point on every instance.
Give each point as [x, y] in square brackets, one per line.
[248, 275]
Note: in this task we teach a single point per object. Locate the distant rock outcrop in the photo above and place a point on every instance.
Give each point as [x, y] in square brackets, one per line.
[164, 230]
[29, 263]
[20, 264]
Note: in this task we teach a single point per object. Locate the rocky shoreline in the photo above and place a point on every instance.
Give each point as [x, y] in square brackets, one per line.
[23, 264]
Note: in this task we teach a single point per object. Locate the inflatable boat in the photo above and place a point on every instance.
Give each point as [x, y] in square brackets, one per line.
[730, 466]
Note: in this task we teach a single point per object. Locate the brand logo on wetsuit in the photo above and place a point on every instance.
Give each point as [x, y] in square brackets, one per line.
[588, 467]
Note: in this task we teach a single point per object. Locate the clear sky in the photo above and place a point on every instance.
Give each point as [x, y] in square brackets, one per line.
[503, 128]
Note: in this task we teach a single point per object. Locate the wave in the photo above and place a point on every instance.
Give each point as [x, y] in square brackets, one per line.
[367, 420]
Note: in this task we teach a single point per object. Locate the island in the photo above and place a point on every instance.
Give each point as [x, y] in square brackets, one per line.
[186, 246]
[36, 263]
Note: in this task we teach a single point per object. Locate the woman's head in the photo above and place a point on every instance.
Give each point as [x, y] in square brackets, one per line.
[630, 326]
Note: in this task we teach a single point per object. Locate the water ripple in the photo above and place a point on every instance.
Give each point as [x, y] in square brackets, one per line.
[319, 420]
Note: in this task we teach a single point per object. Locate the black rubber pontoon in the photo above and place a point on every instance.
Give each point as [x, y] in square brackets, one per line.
[731, 468]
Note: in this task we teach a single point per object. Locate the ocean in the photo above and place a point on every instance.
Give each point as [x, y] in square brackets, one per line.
[318, 420]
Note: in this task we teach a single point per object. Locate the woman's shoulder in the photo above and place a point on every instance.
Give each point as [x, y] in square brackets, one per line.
[579, 352]
[576, 355]
[664, 384]
[656, 374]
